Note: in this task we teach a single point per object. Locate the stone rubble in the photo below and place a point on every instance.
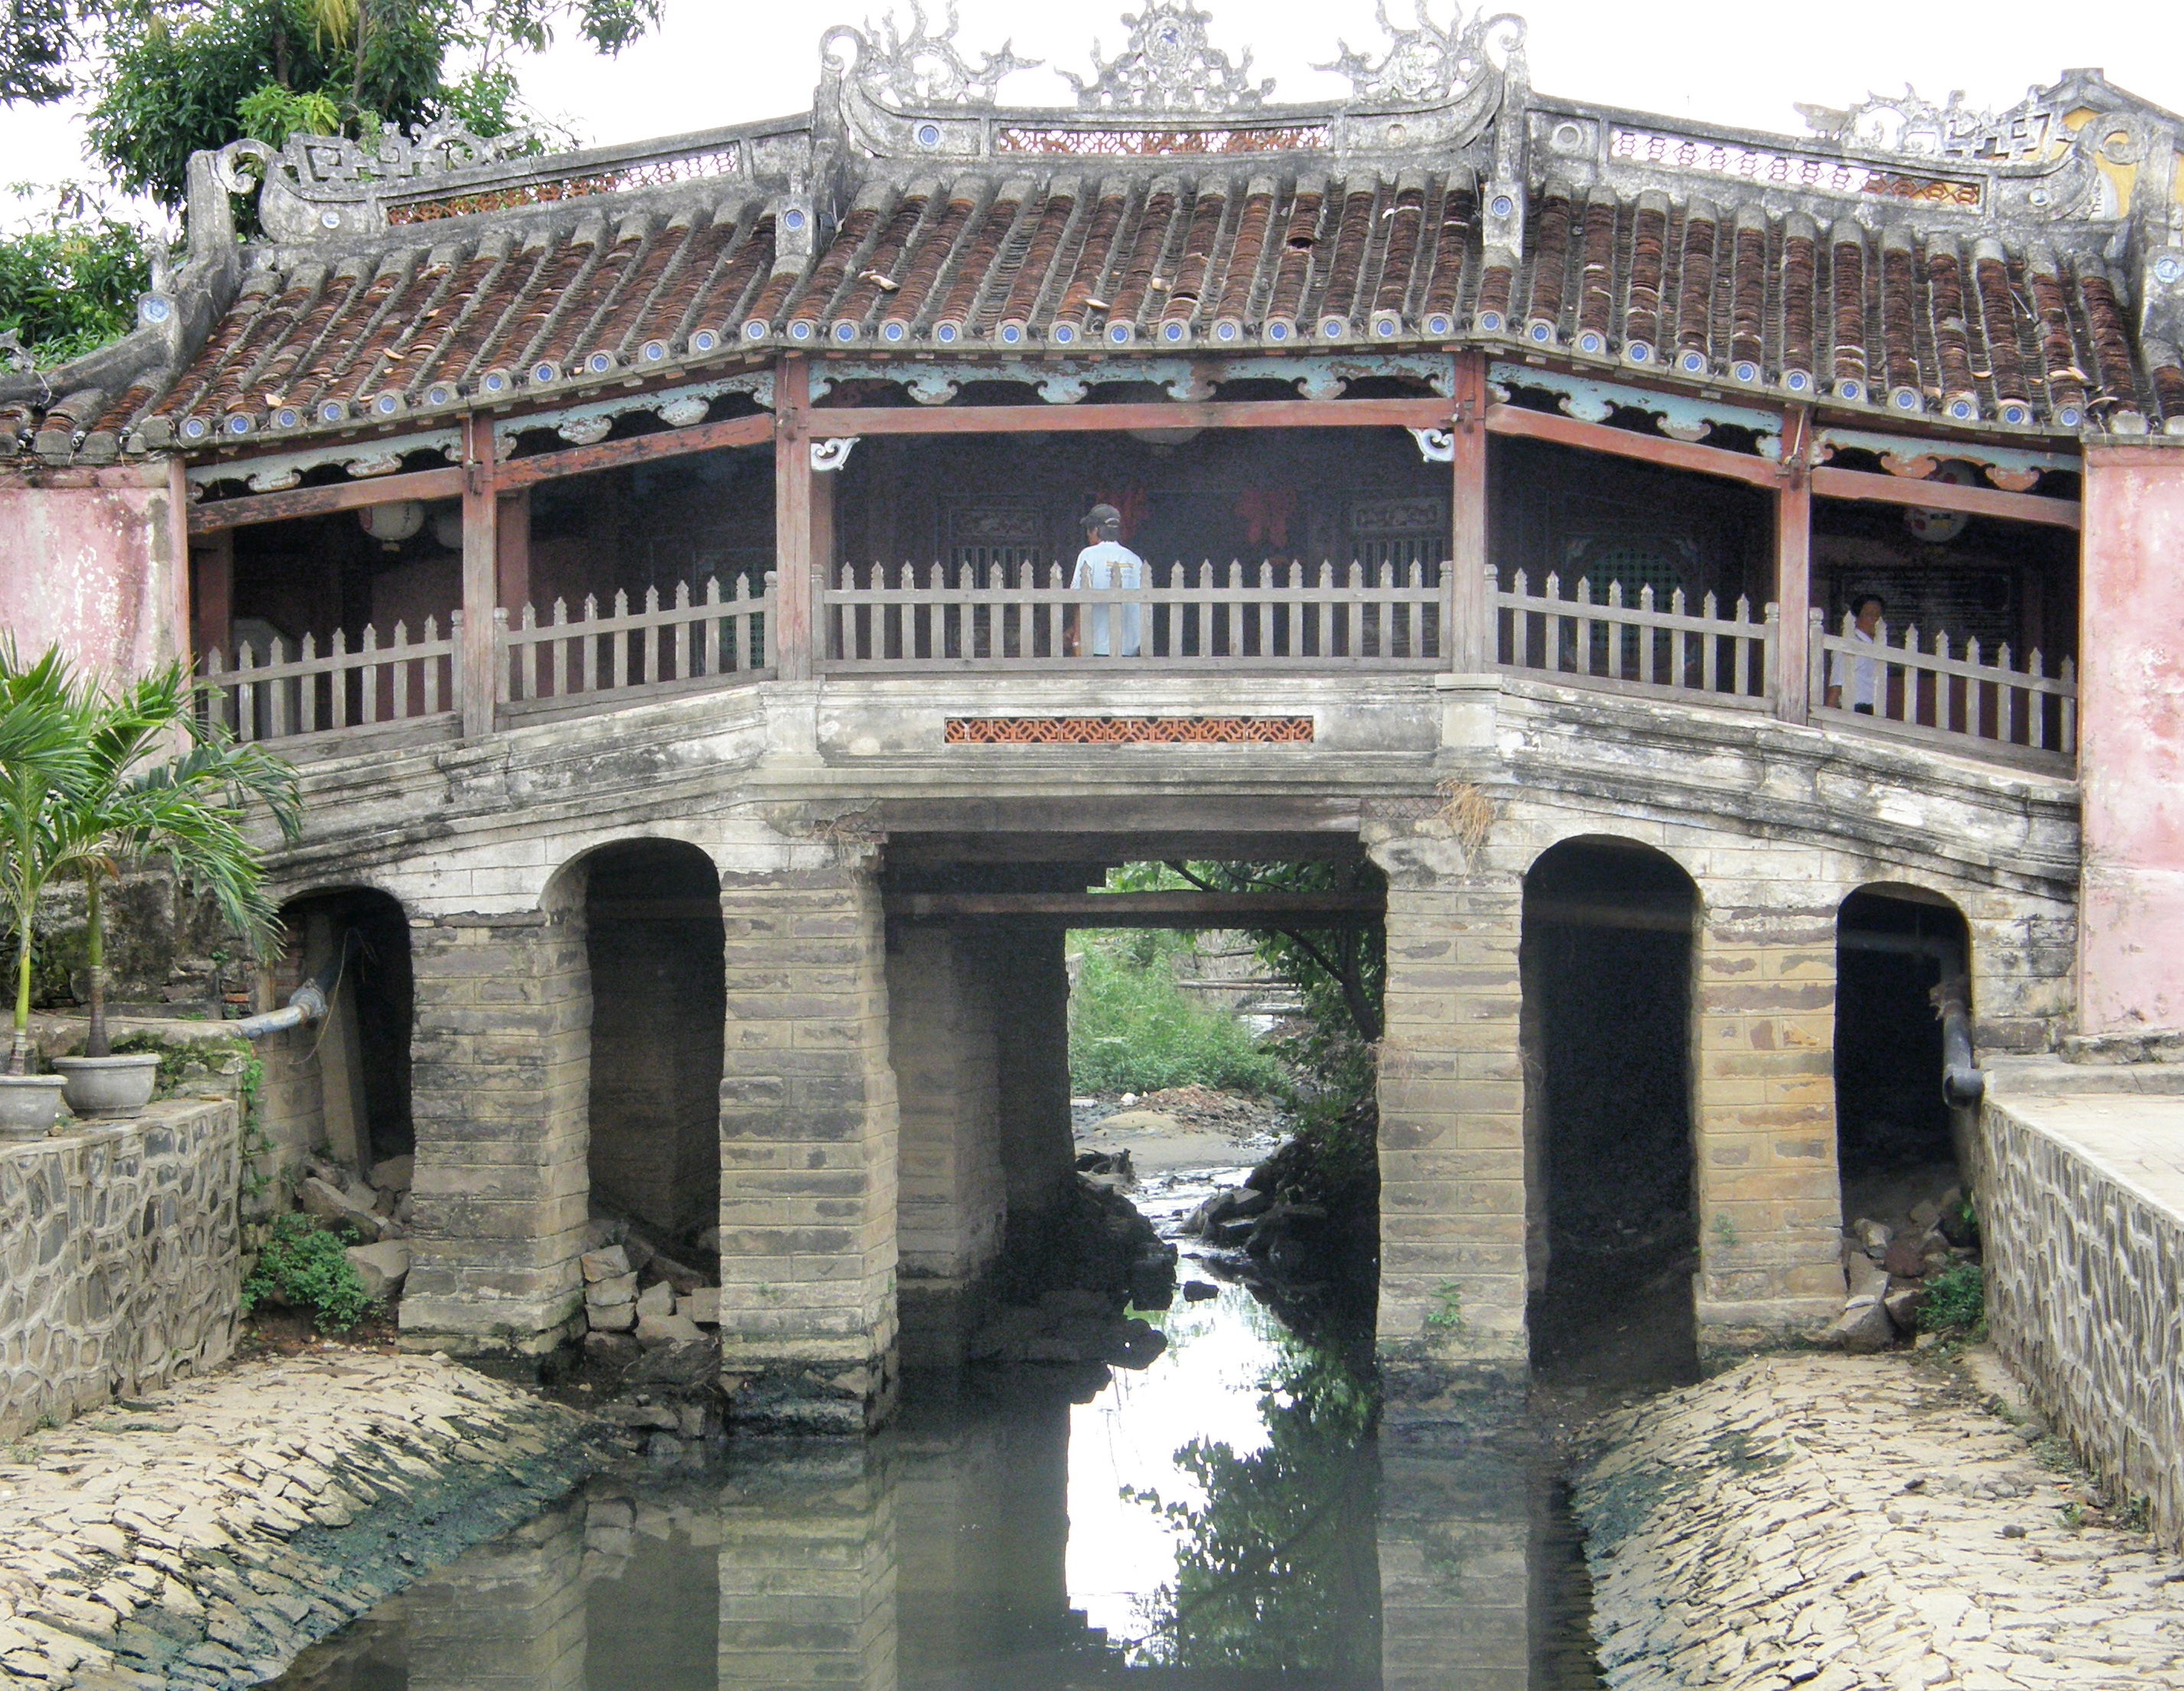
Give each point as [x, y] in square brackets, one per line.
[1862, 1523]
[203, 1535]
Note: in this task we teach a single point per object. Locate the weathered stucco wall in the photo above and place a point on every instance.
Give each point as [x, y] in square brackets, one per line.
[121, 1264]
[2131, 716]
[92, 562]
[2081, 1214]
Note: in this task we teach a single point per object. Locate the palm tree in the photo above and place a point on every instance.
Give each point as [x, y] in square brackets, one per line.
[127, 795]
[43, 758]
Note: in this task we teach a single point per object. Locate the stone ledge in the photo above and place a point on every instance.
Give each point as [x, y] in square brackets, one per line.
[204, 1535]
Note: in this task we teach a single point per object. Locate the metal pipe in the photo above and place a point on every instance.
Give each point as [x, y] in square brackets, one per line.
[1962, 1084]
[308, 1003]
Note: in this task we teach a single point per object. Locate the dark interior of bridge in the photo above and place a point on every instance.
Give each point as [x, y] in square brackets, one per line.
[1606, 966]
[653, 939]
[377, 971]
[1892, 946]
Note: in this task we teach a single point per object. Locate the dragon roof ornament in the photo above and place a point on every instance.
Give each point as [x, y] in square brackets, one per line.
[1910, 124]
[920, 69]
[1430, 65]
[1169, 66]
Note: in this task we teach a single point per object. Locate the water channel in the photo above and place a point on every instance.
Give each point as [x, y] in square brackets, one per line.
[1230, 1516]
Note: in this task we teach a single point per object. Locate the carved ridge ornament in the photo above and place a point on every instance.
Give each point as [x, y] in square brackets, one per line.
[1912, 125]
[1128, 731]
[922, 69]
[1429, 65]
[1169, 66]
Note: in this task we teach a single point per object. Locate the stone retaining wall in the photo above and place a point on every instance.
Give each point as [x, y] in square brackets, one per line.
[120, 1266]
[2080, 1174]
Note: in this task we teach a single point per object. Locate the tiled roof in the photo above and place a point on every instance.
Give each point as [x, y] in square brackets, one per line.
[1938, 324]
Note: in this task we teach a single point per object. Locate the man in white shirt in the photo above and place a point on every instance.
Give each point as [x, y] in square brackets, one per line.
[1105, 563]
[1864, 672]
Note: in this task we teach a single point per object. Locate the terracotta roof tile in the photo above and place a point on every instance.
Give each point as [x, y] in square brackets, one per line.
[1234, 254]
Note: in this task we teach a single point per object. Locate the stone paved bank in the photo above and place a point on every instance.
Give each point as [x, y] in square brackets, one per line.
[1860, 1524]
[205, 1535]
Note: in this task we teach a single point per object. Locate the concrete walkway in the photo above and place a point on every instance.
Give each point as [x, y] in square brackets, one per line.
[1840, 1524]
[204, 1535]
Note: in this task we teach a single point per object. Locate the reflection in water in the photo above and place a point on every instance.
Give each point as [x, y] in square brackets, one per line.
[1227, 1517]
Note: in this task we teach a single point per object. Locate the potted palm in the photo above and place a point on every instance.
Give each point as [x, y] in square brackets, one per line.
[42, 759]
[130, 795]
[139, 797]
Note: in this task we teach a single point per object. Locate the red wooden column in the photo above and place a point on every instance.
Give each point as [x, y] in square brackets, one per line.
[512, 552]
[212, 596]
[473, 657]
[799, 528]
[1793, 568]
[1470, 610]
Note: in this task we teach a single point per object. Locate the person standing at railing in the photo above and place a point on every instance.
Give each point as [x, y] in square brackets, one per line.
[1106, 563]
[1864, 672]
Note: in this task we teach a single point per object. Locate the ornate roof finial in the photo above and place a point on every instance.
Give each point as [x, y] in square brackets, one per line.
[1909, 123]
[921, 71]
[1169, 66]
[1429, 65]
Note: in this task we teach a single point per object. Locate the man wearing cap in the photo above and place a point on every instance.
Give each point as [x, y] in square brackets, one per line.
[1106, 563]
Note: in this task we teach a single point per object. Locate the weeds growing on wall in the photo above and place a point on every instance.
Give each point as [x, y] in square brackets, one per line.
[1132, 1029]
[305, 1266]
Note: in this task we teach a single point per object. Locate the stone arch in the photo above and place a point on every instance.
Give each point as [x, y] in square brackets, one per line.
[1607, 962]
[345, 1084]
[1896, 943]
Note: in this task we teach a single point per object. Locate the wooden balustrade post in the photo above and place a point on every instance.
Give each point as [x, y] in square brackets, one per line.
[799, 527]
[1468, 606]
[475, 654]
[1793, 566]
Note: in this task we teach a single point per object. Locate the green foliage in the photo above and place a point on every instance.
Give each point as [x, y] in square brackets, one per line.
[1269, 1574]
[1447, 1316]
[303, 1265]
[172, 77]
[89, 782]
[68, 281]
[1132, 1029]
[1955, 1301]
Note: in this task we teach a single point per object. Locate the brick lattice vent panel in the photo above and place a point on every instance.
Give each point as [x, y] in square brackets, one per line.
[1129, 730]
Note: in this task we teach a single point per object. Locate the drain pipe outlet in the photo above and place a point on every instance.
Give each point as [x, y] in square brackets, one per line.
[308, 1003]
[1962, 1083]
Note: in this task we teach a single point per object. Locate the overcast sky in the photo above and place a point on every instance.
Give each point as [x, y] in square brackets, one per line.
[1737, 62]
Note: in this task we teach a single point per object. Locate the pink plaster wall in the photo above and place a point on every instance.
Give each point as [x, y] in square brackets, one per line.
[98, 564]
[2131, 916]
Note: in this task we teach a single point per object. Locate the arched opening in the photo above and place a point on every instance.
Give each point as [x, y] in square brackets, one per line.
[1896, 1136]
[654, 940]
[1606, 961]
[351, 1073]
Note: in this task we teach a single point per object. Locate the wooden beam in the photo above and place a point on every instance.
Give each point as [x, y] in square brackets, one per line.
[1944, 496]
[1083, 418]
[1148, 909]
[513, 545]
[314, 502]
[582, 461]
[792, 494]
[1793, 569]
[1707, 460]
[474, 656]
[1471, 634]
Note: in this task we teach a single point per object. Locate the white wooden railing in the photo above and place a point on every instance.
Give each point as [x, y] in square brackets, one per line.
[1604, 642]
[1003, 616]
[401, 685]
[1922, 691]
[564, 665]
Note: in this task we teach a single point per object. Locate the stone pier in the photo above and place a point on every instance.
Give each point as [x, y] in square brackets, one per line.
[809, 1134]
[501, 1068]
